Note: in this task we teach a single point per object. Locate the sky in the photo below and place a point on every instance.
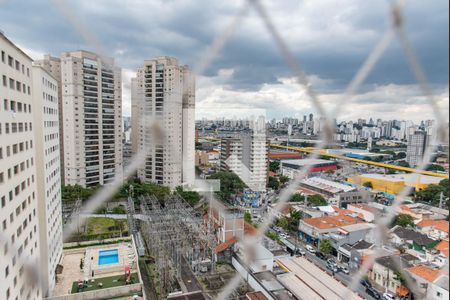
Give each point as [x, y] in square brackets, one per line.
[329, 39]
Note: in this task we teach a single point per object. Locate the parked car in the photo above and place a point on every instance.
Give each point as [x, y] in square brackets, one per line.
[388, 296]
[320, 255]
[373, 292]
[365, 283]
[310, 249]
[301, 252]
[331, 262]
[332, 268]
[345, 270]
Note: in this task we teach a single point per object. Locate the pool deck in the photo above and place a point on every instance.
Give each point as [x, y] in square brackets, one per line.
[71, 265]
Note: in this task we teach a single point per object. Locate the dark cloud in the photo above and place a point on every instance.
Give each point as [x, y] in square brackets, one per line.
[134, 31]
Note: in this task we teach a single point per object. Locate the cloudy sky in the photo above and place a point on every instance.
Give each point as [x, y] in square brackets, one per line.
[330, 39]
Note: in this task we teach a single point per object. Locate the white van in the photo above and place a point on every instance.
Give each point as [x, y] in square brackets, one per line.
[310, 249]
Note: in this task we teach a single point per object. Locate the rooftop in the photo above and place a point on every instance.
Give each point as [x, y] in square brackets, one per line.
[327, 185]
[306, 162]
[408, 178]
[441, 225]
[442, 247]
[411, 235]
[427, 273]
[329, 222]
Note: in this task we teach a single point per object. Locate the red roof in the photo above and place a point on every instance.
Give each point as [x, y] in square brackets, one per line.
[441, 225]
[226, 244]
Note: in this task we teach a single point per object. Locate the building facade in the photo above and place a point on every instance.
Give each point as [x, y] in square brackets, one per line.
[417, 143]
[46, 132]
[53, 66]
[91, 87]
[19, 236]
[163, 121]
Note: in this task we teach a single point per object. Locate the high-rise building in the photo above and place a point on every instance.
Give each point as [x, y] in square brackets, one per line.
[246, 155]
[53, 66]
[19, 213]
[92, 118]
[415, 150]
[164, 92]
[46, 133]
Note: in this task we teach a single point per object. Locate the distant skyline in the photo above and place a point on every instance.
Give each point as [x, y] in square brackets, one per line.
[330, 38]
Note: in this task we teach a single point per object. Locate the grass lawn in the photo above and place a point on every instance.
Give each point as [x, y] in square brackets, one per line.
[99, 225]
[107, 282]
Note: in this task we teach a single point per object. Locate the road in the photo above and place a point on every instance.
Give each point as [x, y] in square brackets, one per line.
[342, 277]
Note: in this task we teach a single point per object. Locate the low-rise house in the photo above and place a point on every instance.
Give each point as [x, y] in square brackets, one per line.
[438, 289]
[414, 240]
[353, 253]
[387, 272]
[436, 229]
[422, 211]
[364, 211]
[339, 229]
[425, 276]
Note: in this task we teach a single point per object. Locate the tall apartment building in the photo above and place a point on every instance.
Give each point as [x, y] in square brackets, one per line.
[246, 155]
[417, 143]
[164, 92]
[19, 236]
[53, 66]
[92, 118]
[47, 145]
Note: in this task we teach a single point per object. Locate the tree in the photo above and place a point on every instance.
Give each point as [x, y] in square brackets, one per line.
[368, 184]
[432, 193]
[248, 217]
[435, 167]
[283, 222]
[283, 179]
[119, 210]
[317, 200]
[272, 235]
[230, 184]
[274, 166]
[403, 220]
[403, 163]
[273, 183]
[294, 219]
[71, 193]
[329, 172]
[297, 197]
[400, 155]
[190, 197]
[325, 246]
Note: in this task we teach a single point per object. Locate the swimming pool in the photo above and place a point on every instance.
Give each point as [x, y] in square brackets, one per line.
[107, 257]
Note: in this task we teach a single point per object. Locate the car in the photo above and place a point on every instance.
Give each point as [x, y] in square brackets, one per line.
[345, 270]
[320, 255]
[373, 292]
[388, 296]
[332, 268]
[365, 283]
[310, 249]
[301, 252]
[331, 262]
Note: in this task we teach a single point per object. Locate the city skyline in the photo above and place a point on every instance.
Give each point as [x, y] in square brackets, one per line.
[255, 75]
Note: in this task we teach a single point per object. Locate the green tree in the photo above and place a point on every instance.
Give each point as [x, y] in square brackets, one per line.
[283, 222]
[230, 184]
[190, 197]
[70, 193]
[294, 219]
[435, 167]
[403, 220]
[119, 210]
[272, 235]
[329, 172]
[403, 163]
[248, 217]
[317, 200]
[297, 197]
[400, 155]
[273, 183]
[283, 179]
[368, 184]
[274, 166]
[325, 246]
[432, 193]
